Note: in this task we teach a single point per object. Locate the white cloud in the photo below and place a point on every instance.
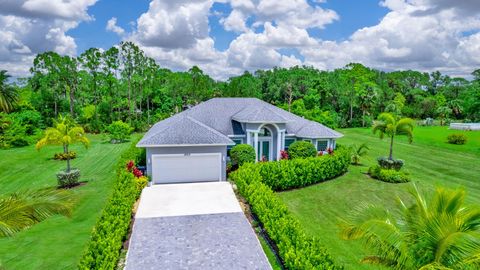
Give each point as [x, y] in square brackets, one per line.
[28, 27]
[113, 27]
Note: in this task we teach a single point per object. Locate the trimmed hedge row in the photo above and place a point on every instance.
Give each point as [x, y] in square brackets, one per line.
[111, 229]
[295, 173]
[297, 250]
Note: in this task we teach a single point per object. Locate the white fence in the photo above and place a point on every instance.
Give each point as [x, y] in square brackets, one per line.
[465, 126]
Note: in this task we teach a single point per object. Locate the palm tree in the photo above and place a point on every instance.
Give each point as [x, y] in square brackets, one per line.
[358, 152]
[8, 94]
[64, 132]
[431, 233]
[387, 124]
[21, 210]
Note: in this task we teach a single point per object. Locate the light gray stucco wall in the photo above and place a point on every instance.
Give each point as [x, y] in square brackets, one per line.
[187, 150]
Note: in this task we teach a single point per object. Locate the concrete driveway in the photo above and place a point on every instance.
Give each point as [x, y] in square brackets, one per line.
[193, 226]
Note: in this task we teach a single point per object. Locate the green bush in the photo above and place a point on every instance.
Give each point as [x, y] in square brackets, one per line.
[242, 153]
[386, 163]
[112, 227]
[65, 156]
[119, 131]
[295, 247]
[288, 174]
[388, 175]
[68, 179]
[457, 138]
[301, 149]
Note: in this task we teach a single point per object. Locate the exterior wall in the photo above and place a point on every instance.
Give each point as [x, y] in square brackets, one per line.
[187, 150]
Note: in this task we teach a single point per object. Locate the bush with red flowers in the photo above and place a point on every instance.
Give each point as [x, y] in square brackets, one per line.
[130, 165]
[133, 169]
[330, 151]
[283, 154]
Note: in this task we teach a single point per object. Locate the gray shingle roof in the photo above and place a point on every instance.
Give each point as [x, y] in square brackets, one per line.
[210, 122]
[181, 130]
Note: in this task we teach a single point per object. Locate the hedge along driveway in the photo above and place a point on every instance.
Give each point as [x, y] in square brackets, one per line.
[297, 250]
[58, 242]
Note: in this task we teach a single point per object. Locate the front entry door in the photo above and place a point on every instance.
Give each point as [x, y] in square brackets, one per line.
[264, 149]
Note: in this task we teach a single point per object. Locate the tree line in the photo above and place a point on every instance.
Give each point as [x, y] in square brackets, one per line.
[122, 83]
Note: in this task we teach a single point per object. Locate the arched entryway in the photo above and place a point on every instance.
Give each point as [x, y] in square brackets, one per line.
[265, 143]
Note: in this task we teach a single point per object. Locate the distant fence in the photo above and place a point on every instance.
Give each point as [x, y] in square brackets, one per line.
[465, 126]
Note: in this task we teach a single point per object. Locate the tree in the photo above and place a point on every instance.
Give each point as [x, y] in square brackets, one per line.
[443, 112]
[437, 232]
[8, 94]
[21, 210]
[388, 125]
[65, 132]
[358, 152]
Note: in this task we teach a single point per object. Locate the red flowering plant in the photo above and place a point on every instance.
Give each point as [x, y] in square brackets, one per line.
[133, 169]
[320, 153]
[283, 154]
[330, 151]
[263, 159]
[130, 165]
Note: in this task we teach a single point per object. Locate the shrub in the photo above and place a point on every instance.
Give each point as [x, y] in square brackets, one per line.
[283, 154]
[112, 227]
[65, 156]
[294, 173]
[388, 175]
[141, 182]
[68, 179]
[119, 131]
[301, 149]
[242, 153]
[457, 138]
[297, 250]
[386, 163]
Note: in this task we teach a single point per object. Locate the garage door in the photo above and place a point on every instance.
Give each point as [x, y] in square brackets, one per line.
[186, 168]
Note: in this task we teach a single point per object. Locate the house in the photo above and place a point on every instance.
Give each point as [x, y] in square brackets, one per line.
[193, 146]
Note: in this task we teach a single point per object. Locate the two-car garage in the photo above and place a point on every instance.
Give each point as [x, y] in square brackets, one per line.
[186, 164]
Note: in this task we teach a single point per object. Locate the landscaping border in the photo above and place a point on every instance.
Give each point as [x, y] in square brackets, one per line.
[297, 250]
[111, 229]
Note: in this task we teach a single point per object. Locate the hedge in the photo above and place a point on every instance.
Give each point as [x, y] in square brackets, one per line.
[297, 250]
[295, 173]
[301, 149]
[112, 227]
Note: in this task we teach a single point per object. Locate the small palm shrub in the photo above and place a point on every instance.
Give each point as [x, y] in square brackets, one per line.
[457, 138]
[301, 149]
[242, 153]
[358, 152]
[119, 132]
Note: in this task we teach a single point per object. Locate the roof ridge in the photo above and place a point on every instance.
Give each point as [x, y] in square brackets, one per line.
[207, 127]
[274, 112]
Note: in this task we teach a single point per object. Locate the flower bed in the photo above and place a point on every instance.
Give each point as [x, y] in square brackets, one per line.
[112, 227]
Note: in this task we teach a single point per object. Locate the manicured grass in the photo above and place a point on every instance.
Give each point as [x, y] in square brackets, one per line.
[58, 242]
[430, 160]
[269, 253]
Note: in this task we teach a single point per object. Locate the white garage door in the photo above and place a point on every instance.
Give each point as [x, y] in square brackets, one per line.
[186, 168]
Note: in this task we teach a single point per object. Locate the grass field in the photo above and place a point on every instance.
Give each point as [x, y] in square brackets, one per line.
[430, 160]
[58, 242]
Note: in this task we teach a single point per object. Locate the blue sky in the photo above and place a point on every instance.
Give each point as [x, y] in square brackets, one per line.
[227, 37]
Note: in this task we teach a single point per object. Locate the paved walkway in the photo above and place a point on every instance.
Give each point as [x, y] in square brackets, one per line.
[193, 226]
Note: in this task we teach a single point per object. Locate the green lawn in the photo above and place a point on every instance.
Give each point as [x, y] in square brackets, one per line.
[58, 242]
[430, 160]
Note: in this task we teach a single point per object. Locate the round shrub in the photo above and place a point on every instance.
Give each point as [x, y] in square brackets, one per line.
[68, 179]
[242, 153]
[301, 149]
[457, 138]
[119, 131]
[388, 175]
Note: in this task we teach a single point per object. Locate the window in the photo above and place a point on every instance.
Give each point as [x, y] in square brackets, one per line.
[322, 145]
[288, 141]
[264, 132]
